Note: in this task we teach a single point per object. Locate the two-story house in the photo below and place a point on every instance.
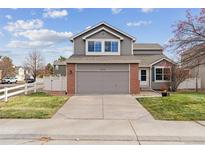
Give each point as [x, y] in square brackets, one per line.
[107, 60]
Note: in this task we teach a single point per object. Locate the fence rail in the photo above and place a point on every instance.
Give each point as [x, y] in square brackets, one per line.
[25, 88]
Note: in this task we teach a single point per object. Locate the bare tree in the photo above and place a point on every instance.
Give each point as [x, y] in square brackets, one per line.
[189, 41]
[179, 75]
[34, 62]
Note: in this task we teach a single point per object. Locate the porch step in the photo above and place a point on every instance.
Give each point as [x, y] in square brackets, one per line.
[145, 89]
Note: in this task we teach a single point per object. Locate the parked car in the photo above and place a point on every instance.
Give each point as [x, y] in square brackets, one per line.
[29, 80]
[9, 80]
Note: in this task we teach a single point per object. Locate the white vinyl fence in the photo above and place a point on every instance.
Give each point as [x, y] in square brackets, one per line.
[190, 84]
[55, 83]
[25, 88]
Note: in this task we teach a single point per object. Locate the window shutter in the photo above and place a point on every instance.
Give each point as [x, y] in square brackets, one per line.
[153, 73]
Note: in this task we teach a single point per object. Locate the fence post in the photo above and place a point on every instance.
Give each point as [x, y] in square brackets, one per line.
[35, 87]
[26, 89]
[6, 94]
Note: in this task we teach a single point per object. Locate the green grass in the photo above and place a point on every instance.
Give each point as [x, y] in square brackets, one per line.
[37, 105]
[178, 106]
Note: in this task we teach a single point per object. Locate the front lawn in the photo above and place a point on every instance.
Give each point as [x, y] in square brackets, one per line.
[178, 106]
[37, 105]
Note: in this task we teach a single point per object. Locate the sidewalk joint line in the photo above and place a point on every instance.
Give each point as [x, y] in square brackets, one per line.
[134, 131]
[103, 108]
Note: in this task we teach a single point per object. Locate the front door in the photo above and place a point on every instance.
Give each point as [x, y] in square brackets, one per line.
[144, 77]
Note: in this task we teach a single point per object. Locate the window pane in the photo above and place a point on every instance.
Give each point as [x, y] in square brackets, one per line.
[167, 71]
[143, 72]
[166, 77]
[107, 46]
[91, 46]
[114, 46]
[159, 70]
[97, 46]
[158, 77]
[158, 73]
[143, 78]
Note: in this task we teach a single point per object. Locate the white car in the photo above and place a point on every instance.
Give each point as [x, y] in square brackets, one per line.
[9, 80]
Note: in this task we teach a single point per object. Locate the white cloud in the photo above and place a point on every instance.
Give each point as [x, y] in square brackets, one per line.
[40, 38]
[45, 35]
[139, 23]
[55, 13]
[116, 10]
[147, 10]
[20, 25]
[9, 17]
[28, 44]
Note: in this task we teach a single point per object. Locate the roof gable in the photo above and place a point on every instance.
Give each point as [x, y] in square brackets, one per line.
[102, 29]
[105, 25]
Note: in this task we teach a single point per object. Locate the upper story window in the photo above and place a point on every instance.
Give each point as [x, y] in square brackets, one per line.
[111, 46]
[94, 46]
[102, 47]
[162, 74]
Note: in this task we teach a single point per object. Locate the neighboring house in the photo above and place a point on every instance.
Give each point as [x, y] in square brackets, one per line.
[22, 73]
[194, 60]
[59, 68]
[201, 74]
[108, 61]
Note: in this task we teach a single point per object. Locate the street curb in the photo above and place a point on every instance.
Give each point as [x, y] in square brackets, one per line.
[105, 137]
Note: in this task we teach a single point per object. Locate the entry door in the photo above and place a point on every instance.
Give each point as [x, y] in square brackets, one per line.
[144, 77]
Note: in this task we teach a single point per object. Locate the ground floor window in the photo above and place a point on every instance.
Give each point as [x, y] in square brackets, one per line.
[162, 73]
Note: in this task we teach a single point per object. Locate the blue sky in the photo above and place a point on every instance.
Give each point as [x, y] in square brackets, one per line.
[48, 30]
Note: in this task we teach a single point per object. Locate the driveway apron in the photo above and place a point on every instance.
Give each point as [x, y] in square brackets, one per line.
[122, 107]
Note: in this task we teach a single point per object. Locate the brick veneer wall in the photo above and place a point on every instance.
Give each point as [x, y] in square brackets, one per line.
[134, 81]
[71, 79]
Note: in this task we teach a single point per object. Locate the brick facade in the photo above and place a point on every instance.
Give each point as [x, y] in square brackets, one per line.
[71, 79]
[134, 81]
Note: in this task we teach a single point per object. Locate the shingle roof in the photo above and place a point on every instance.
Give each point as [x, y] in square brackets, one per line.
[147, 46]
[143, 60]
[58, 62]
[103, 59]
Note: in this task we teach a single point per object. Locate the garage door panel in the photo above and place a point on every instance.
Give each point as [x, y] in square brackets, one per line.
[102, 82]
[115, 82]
[88, 82]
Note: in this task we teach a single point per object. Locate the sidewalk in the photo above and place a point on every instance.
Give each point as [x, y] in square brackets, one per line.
[62, 131]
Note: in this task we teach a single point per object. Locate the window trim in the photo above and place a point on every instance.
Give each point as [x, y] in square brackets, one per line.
[103, 52]
[162, 67]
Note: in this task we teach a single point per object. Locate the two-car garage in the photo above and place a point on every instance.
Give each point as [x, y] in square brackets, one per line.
[102, 75]
[102, 79]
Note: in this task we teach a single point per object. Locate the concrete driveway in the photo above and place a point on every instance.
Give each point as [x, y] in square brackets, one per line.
[122, 107]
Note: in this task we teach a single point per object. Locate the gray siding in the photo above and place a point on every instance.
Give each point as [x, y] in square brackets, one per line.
[102, 35]
[102, 79]
[61, 70]
[201, 75]
[79, 43]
